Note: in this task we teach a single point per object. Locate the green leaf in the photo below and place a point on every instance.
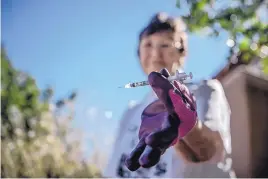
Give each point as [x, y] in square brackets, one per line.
[203, 20]
[265, 65]
[225, 23]
[244, 45]
[246, 56]
[201, 4]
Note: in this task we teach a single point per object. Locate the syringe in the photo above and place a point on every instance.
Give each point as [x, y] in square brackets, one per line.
[178, 76]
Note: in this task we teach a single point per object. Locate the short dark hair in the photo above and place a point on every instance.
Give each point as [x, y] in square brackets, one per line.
[162, 22]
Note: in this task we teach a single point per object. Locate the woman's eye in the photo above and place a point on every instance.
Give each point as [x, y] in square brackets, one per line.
[148, 45]
[165, 45]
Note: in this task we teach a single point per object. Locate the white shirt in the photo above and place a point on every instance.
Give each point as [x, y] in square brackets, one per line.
[213, 110]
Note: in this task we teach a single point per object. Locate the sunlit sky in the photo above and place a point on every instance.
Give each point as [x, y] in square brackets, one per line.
[90, 46]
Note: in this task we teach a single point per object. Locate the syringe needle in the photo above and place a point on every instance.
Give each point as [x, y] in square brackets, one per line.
[126, 86]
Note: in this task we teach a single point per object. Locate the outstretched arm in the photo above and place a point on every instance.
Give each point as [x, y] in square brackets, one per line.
[210, 138]
[173, 121]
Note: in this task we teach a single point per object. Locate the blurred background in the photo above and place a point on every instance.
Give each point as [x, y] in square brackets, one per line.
[63, 61]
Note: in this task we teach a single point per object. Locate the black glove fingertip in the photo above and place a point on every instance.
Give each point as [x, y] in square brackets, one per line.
[132, 165]
[150, 157]
[164, 72]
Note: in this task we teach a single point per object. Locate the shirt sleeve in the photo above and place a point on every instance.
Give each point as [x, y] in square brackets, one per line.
[214, 111]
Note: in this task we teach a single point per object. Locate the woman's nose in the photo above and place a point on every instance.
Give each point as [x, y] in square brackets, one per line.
[156, 52]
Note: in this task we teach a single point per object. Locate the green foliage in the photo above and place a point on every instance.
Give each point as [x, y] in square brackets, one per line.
[35, 136]
[239, 18]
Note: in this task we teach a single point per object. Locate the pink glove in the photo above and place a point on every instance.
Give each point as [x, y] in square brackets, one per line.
[164, 121]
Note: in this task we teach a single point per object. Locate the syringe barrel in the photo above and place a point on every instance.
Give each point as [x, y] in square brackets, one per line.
[178, 76]
[181, 75]
[142, 83]
[172, 78]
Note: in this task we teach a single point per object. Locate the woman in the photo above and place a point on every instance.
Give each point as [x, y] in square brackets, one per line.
[170, 134]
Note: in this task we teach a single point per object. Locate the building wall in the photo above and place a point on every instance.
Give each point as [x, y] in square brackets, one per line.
[248, 99]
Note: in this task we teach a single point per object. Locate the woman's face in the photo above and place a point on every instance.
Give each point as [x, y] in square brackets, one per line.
[158, 51]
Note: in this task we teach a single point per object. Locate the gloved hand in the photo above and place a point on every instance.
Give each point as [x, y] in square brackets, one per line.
[163, 122]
